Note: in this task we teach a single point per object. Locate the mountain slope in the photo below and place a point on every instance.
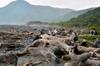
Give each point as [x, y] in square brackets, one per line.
[90, 19]
[20, 11]
[92, 16]
[73, 14]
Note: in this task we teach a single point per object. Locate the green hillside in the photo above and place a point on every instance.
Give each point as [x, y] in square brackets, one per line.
[90, 19]
[73, 14]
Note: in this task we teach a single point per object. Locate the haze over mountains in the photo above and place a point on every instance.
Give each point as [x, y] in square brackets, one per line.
[73, 14]
[21, 12]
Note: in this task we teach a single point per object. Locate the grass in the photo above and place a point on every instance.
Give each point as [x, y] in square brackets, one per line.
[90, 39]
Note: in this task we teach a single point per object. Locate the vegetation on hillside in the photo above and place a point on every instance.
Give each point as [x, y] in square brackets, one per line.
[91, 19]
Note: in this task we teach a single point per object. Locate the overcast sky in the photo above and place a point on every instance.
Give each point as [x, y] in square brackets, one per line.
[73, 4]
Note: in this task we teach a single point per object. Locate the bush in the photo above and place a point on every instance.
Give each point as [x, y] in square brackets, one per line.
[88, 38]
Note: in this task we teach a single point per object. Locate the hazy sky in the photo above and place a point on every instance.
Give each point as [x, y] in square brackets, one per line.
[73, 4]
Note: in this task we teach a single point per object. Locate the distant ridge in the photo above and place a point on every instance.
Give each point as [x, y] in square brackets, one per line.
[21, 12]
[73, 14]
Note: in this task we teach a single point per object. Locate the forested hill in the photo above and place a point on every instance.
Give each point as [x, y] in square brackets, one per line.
[91, 17]
[73, 14]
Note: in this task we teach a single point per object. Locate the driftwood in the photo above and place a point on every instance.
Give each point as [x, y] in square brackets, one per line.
[8, 58]
[33, 63]
[74, 60]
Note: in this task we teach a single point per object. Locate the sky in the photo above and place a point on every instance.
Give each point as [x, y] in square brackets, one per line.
[72, 4]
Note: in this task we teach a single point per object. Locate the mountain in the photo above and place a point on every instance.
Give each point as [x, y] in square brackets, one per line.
[20, 12]
[73, 14]
[91, 17]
